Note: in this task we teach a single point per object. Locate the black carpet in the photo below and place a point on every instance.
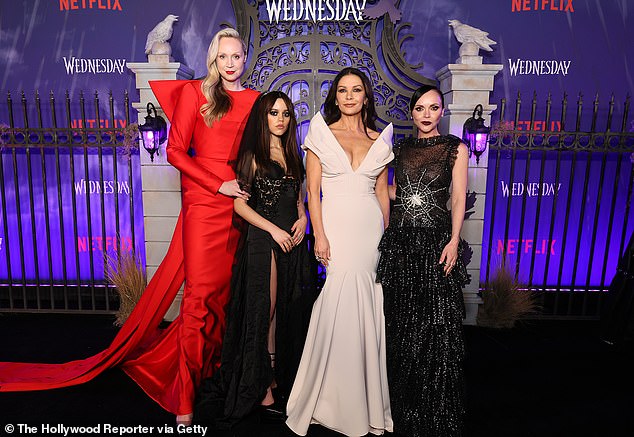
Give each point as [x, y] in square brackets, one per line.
[539, 379]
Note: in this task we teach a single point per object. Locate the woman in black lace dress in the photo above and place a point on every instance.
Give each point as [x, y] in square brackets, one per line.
[422, 274]
[272, 292]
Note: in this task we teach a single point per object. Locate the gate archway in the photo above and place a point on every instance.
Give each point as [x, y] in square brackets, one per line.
[302, 57]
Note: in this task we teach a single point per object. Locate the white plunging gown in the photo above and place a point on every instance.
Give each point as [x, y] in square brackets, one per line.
[341, 382]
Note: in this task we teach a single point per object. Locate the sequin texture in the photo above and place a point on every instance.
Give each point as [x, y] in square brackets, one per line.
[423, 307]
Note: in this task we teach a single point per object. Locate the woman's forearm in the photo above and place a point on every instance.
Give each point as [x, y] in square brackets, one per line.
[314, 208]
[457, 216]
[253, 218]
[459, 191]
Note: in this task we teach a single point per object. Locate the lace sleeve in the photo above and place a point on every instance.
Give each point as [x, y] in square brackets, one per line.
[245, 164]
[245, 170]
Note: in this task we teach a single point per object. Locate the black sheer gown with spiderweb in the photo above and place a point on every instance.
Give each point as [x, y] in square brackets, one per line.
[423, 307]
[246, 369]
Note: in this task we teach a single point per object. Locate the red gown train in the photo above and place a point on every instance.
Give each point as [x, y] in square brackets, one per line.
[170, 364]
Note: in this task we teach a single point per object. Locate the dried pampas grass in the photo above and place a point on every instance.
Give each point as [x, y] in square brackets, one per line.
[128, 276]
[504, 301]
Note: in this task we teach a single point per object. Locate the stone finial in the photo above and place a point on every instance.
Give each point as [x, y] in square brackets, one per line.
[472, 40]
[156, 46]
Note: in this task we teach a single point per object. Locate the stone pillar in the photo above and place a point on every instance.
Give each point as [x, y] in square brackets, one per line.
[464, 85]
[160, 181]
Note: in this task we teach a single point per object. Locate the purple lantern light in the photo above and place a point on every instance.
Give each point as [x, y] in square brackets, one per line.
[475, 134]
[153, 131]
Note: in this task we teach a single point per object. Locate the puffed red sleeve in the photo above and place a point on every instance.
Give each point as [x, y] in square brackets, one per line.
[180, 136]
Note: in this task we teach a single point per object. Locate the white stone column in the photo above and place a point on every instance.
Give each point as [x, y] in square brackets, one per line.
[160, 181]
[464, 86]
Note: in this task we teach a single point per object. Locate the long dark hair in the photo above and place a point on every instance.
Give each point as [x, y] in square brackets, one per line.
[255, 147]
[368, 112]
[424, 89]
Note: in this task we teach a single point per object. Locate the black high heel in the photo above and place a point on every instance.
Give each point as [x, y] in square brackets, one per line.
[272, 414]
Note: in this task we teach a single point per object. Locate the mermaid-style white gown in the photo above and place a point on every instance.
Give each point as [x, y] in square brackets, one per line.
[342, 382]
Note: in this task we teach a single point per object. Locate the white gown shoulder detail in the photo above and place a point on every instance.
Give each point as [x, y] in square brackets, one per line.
[323, 143]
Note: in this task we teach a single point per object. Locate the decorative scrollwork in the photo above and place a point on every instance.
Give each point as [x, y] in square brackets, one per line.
[302, 57]
[563, 141]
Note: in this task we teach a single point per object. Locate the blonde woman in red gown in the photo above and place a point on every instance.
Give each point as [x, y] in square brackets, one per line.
[208, 117]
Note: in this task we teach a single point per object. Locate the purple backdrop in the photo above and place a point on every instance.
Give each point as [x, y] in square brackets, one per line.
[579, 46]
[38, 38]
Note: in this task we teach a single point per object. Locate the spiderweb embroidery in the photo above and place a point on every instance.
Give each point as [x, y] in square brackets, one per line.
[418, 201]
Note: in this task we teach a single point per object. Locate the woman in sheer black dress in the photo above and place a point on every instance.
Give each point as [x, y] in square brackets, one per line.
[422, 274]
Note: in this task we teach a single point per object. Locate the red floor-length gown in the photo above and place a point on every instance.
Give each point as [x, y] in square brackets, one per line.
[169, 364]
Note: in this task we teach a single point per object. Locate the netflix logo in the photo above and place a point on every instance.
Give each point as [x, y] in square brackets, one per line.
[78, 123]
[538, 125]
[101, 244]
[515, 246]
[507, 127]
[72, 5]
[542, 5]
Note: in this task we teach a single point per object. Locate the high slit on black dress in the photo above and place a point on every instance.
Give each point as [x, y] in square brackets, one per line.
[246, 371]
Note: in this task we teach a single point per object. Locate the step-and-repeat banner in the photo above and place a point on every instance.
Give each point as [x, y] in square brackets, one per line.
[560, 228]
[66, 212]
[546, 46]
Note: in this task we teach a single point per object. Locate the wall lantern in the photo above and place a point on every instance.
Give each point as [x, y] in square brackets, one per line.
[153, 131]
[475, 134]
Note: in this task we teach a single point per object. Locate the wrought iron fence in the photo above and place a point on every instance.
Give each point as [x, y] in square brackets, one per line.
[68, 203]
[559, 203]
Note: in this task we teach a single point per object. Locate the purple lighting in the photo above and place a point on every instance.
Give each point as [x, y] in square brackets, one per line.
[481, 142]
[153, 131]
[475, 134]
[59, 242]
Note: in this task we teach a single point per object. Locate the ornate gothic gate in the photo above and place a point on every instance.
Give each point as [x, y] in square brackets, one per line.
[302, 57]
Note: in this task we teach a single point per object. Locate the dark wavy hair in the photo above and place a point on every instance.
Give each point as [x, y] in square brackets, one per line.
[255, 147]
[423, 90]
[368, 112]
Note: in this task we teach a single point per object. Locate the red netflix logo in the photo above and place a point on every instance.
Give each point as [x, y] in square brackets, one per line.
[91, 123]
[542, 5]
[71, 5]
[100, 244]
[540, 247]
[555, 126]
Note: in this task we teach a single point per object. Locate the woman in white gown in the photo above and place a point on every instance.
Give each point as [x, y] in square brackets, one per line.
[341, 382]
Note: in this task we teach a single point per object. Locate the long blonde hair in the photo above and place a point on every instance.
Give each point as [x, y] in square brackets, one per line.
[218, 100]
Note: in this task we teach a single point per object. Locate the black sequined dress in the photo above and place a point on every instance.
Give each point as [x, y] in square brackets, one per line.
[423, 307]
[246, 372]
